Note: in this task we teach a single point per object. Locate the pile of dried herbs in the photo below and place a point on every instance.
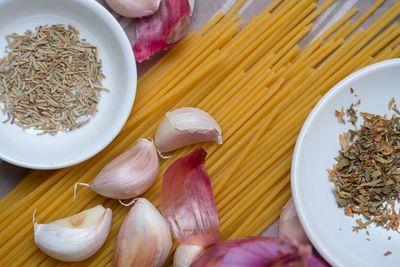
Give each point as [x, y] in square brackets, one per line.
[50, 80]
[367, 174]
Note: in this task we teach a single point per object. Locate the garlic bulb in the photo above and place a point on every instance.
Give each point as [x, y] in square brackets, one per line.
[186, 126]
[186, 254]
[74, 238]
[144, 238]
[289, 224]
[130, 174]
[134, 8]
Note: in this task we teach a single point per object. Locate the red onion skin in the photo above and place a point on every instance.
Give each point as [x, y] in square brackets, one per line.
[258, 252]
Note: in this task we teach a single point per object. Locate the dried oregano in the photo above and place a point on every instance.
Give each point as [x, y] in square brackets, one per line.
[366, 174]
[50, 79]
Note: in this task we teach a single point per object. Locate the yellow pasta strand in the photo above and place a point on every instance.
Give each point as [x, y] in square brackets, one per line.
[250, 146]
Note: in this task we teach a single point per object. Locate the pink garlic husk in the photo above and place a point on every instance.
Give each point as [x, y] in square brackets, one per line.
[187, 202]
[289, 224]
[130, 174]
[259, 251]
[161, 30]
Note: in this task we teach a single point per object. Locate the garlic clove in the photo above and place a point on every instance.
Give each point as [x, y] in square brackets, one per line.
[186, 254]
[74, 238]
[144, 238]
[289, 224]
[130, 174]
[134, 8]
[186, 126]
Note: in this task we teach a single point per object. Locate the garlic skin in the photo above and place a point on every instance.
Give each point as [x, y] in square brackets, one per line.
[187, 201]
[144, 238]
[134, 8]
[186, 126]
[289, 224]
[161, 30]
[130, 174]
[74, 238]
[186, 254]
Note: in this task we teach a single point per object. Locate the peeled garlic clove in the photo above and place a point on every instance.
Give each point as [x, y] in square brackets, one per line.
[75, 238]
[185, 254]
[144, 238]
[134, 8]
[289, 224]
[186, 126]
[130, 174]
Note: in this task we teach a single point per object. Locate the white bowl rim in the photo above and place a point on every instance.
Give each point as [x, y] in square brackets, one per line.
[103, 13]
[297, 198]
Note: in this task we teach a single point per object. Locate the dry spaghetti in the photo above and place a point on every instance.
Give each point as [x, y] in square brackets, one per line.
[255, 81]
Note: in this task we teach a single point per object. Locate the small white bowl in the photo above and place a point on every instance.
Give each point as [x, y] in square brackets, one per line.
[99, 27]
[330, 231]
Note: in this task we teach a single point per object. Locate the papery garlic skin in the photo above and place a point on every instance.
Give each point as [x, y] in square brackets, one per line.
[144, 238]
[185, 254]
[130, 174]
[187, 201]
[134, 8]
[161, 30]
[186, 126]
[75, 238]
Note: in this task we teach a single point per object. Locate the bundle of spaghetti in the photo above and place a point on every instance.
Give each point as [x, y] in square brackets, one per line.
[255, 81]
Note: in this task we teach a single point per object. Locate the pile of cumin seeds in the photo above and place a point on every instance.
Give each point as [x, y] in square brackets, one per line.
[50, 79]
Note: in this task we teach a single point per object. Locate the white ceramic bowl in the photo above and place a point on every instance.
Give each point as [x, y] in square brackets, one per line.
[100, 28]
[328, 228]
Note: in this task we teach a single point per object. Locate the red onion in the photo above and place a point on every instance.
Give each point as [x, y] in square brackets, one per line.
[289, 224]
[259, 252]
